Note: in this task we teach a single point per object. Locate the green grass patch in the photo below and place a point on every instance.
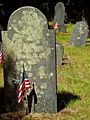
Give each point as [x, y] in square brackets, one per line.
[63, 38]
[73, 79]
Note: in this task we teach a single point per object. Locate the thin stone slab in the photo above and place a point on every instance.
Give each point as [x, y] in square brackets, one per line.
[1, 67]
[79, 34]
[28, 41]
[59, 54]
[59, 16]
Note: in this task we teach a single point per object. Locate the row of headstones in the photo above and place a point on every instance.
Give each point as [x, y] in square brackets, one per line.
[80, 30]
[78, 36]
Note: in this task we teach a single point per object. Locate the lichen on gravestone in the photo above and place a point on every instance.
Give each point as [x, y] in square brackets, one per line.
[28, 41]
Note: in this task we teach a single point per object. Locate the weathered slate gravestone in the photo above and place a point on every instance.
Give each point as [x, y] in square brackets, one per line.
[59, 54]
[60, 16]
[28, 41]
[79, 34]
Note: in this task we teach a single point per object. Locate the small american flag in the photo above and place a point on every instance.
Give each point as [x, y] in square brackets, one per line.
[56, 26]
[1, 57]
[21, 91]
[1, 53]
[27, 83]
[23, 86]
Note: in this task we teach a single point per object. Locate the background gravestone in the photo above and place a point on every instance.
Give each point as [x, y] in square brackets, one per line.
[79, 34]
[60, 16]
[59, 54]
[29, 41]
[83, 16]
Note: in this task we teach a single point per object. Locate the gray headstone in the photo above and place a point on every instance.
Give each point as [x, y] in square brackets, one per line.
[60, 16]
[29, 41]
[59, 54]
[1, 67]
[79, 34]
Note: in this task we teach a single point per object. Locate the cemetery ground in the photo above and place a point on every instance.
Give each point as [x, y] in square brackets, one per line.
[73, 84]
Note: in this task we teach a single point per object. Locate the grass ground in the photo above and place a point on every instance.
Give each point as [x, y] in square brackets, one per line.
[73, 83]
[73, 79]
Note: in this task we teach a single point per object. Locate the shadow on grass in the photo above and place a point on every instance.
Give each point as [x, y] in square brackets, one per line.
[65, 58]
[64, 98]
[87, 43]
[65, 61]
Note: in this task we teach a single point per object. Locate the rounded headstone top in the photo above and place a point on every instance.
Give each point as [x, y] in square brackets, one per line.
[25, 18]
[80, 28]
[82, 23]
[79, 34]
[59, 13]
[60, 4]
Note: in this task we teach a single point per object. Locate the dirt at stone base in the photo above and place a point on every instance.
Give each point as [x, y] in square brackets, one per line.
[12, 116]
[37, 116]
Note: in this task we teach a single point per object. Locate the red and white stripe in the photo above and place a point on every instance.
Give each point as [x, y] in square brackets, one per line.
[21, 90]
[1, 57]
[27, 83]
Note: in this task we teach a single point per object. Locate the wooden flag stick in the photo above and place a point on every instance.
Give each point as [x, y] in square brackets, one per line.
[27, 107]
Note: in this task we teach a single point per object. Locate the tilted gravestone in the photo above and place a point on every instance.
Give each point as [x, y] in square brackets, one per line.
[59, 54]
[60, 16]
[28, 41]
[79, 34]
